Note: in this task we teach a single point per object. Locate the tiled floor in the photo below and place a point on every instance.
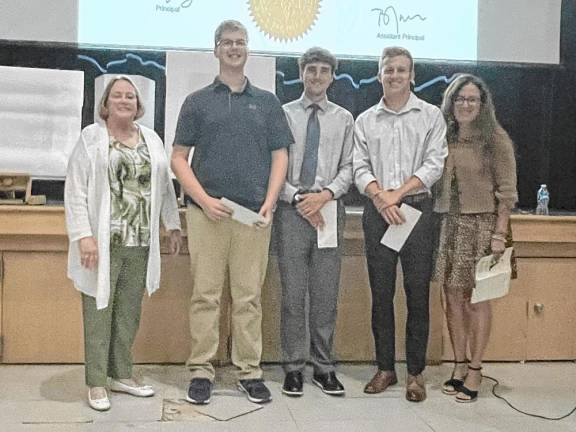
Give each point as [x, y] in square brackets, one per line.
[52, 398]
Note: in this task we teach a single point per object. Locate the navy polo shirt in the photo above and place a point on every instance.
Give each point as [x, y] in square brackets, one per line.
[233, 135]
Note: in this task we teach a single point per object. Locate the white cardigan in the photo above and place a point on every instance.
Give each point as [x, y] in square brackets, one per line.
[87, 204]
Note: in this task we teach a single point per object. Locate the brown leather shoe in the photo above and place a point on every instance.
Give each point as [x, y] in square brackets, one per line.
[380, 382]
[415, 388]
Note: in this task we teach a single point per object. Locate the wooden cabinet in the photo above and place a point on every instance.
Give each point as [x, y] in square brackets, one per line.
[551, 308]
[40, 312]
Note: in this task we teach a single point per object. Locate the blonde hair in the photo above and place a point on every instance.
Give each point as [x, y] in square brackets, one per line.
[229, 26]
[103, 110]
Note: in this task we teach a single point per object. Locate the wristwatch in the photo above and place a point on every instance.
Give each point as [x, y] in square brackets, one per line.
[297, 198]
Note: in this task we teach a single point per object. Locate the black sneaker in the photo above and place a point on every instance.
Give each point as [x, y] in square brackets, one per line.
[293, 384]
[329, 384]
[255, 389]
[199, 391]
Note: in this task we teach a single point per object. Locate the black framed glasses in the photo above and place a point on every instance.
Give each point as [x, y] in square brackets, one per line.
[472, 101]
[229, 43]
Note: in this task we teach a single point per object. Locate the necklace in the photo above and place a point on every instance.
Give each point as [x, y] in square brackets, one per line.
[129, 138]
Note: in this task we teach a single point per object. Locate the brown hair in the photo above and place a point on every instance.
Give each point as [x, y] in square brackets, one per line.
[491, 132]
[485, 122]
[395, 51]
[317, 54]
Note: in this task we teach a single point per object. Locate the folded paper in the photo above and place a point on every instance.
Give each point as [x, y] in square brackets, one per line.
[492, 277]
[328, 235]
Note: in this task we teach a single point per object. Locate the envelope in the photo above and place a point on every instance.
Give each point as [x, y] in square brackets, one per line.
[328, 235]
[396, 235]
[242, 214]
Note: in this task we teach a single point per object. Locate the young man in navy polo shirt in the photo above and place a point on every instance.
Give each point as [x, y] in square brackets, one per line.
[240, 137]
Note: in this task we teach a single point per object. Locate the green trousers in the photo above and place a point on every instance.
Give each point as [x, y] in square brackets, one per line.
[109, 333]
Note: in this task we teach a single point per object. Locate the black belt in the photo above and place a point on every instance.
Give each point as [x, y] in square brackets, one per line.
[411, 199]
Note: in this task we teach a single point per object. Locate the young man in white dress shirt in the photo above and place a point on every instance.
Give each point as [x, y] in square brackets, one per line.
[399, 152]
[319, 171]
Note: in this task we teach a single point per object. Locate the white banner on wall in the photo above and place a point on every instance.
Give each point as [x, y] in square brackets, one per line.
[40, 119]
[439, 29]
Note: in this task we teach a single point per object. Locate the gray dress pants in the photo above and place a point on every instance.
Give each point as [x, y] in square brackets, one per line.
[306, 270]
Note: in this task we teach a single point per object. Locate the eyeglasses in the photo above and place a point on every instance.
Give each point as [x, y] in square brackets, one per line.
[472, 101]
[229, 43]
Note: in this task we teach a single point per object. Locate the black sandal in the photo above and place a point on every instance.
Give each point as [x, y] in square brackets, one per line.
[472, 394]
[453, 385]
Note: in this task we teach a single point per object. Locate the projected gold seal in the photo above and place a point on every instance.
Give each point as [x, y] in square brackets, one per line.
[284, 19]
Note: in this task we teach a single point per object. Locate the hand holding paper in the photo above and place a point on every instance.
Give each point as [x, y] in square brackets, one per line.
[243, 215]
[315, 219]
[396, 235]
[215, 209]
[393, 215]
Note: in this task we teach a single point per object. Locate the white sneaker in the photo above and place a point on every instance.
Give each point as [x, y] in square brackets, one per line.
[134, 390]
[100, 404]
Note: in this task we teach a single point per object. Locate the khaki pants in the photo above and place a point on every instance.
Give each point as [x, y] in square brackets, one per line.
[218, 250]
[109, 333]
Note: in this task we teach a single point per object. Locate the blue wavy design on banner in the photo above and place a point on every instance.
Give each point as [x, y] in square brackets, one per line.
[365, 81]
[119, 62]
[441, 78]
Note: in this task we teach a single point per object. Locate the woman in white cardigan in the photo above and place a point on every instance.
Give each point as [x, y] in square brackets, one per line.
[118, 187]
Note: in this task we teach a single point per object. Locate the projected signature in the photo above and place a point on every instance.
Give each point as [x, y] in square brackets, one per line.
[389, 16]
[184, 4]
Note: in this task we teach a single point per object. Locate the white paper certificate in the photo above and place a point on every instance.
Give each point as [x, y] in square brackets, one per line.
[242, 214]
[396, 235]
[328, 235]
[492, 278]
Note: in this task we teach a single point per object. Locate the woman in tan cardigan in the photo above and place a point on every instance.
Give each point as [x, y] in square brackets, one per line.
[475, 196]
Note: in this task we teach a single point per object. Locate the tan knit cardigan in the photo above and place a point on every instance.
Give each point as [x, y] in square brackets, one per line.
[483, 181]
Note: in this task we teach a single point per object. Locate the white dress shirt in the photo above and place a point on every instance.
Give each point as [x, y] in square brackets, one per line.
[390, 147]
[334, 169]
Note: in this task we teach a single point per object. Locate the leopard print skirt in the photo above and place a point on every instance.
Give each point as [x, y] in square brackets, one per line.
[464, 239]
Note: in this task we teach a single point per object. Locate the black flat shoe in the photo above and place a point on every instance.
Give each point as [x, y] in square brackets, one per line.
[293, 384]
[453, 385]
[329, 384]
[472, 394]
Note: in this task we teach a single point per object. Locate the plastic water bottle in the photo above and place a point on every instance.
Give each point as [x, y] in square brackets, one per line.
[543, 198]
